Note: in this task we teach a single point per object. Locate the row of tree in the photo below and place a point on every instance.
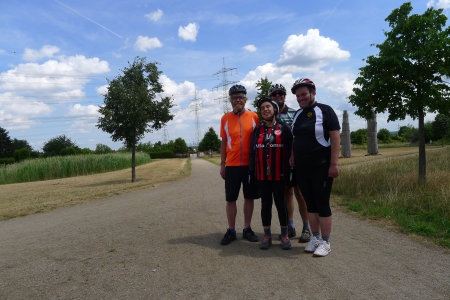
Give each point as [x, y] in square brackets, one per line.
[439, 129]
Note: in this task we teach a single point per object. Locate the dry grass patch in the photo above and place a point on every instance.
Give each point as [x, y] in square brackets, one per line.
[22, 199]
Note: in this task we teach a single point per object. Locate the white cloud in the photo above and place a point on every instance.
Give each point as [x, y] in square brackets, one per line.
[35, 55]
[250, 48]
[155, 16]
[84, 111]
[189, 33]
[440, 4]
[144, 43]
[102, 90]
[310, 51]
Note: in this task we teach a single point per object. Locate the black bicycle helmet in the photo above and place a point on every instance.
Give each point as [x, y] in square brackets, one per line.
[237, 88]
[302, 82]
[274, 104]
[277, 87]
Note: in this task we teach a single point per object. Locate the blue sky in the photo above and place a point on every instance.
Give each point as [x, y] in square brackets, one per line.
[55, 57]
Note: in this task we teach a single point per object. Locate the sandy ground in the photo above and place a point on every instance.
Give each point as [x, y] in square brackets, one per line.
[163, 243]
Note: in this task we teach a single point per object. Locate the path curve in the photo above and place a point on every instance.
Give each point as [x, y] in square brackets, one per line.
[163, 243]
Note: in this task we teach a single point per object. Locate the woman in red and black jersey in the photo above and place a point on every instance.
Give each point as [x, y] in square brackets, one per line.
[269, 164]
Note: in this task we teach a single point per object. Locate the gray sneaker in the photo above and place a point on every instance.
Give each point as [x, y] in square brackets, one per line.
[285, 243]
[305, 236]
[266, 242]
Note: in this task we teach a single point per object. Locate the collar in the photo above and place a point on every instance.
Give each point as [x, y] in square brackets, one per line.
[237, 113]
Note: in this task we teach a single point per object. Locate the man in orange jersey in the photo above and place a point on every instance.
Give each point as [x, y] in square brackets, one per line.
[236, 130]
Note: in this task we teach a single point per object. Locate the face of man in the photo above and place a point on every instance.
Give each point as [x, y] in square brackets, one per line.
[304, 97]
[266, 110]
[238, 102]
[279, 97]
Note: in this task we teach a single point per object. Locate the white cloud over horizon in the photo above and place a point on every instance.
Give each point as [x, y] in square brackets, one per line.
[35, 55]
[189, 32]
[250, 48]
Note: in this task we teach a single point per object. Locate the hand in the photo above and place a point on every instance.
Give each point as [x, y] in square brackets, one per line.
[292, 161]
[222, 171]
[333, 171]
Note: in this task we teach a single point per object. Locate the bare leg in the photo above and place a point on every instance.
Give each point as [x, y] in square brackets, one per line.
[301, 204]
[325, 225]
[249, 204]
[231, 209]
[314, 222]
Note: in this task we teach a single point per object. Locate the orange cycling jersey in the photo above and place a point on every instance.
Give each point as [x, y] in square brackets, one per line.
[238, 129]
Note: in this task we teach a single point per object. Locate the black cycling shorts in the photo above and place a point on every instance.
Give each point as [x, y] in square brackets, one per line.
[234, 178]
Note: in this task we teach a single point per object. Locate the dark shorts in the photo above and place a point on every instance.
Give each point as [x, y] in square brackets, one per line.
[291, 182]
[234, 178]
[315, 186]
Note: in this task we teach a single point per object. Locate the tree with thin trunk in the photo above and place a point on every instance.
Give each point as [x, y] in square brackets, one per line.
[131, 107]
[441, 127]
[407, 76]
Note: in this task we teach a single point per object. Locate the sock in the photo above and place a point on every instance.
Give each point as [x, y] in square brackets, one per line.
[232, 230]
[291, 223]
[284, 231]
[316, 234]
[326, 238]
[267, 232]
[305, 225]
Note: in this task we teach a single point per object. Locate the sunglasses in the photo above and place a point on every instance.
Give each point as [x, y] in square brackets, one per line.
[277, 94]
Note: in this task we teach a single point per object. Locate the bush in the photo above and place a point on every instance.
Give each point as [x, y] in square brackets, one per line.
[162, 154]
[7, 161]
[68, 151]
[22, 154]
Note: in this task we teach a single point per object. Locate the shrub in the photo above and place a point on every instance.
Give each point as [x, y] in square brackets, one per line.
[22, 154]
[162, 154]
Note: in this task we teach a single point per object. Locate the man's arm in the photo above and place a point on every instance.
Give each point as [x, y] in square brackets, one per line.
[335, 137]
[223, 157]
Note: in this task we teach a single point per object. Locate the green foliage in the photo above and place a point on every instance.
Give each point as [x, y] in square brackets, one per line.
[86, 151]
[384, 135]
[179, 146]
[210, 141]
[54, 146]
[262, 86]
[22, 154]
[359, 137]
[102, 149]
[402, 130]
[19, 144]
[406, 77]
[67, 166]
[161, 154]
[7, 161]
[68, 151]
[411, 134]
[130, 106]
[441, 127]
[144, 147]
[6, 145]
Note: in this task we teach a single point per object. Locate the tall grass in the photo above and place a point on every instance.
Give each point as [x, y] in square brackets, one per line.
[390, 189]
[67, 166]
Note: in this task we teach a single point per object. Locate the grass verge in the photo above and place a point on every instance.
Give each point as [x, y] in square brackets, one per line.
[23, 199]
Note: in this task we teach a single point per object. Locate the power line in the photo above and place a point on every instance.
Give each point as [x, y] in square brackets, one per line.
[224, 84]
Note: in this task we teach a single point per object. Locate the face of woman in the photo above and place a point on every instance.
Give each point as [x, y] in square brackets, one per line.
[267, 111]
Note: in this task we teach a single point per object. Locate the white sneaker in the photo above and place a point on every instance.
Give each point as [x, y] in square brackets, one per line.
[323, 249]
[312, 245]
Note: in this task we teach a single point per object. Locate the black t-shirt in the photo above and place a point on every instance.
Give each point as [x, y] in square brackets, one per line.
[310, 128]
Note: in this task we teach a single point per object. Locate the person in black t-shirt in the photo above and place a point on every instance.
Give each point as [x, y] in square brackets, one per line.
[315, 153]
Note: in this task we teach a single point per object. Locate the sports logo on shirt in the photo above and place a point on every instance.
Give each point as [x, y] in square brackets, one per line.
[277, 132]
[309, 114]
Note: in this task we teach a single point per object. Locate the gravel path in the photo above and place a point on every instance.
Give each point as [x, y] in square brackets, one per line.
[163, 243]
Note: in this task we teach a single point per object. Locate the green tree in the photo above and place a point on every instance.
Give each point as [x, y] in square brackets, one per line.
[102, 149]
[6, 145]
[411, 134]
[180, 146]
[262, 86]
[210, 141]
[22, 154]
[144, 147]
[131, 107]
[407, 76]
[359, 137]
[384, 135]
[54, 146]
[20, 144]
[402, 130]
[441, 127]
